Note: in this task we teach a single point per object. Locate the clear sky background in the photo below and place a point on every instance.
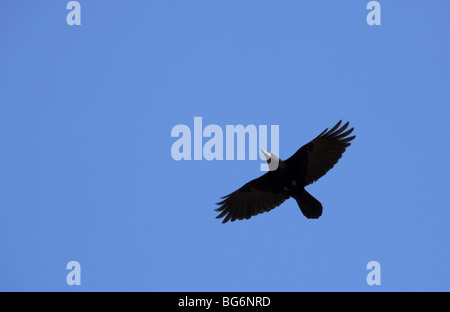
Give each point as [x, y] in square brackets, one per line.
[86, 172]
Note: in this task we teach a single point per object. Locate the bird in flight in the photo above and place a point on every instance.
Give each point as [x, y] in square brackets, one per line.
[288, 178]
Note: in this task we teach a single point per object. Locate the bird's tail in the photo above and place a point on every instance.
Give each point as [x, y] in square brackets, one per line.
[311, 207]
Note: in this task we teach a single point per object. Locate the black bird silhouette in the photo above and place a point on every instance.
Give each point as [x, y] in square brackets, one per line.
[288, 178]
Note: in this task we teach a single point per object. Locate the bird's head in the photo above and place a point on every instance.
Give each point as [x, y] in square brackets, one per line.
[272, 160]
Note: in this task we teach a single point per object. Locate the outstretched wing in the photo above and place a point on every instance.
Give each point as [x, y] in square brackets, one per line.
[257, 196]
[313, 160]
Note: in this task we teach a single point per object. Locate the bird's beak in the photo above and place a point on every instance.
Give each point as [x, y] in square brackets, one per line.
[266, 154]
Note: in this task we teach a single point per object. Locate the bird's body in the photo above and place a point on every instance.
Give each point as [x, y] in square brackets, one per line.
[288, 178]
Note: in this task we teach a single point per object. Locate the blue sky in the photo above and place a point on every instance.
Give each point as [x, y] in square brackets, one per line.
[86, 172]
